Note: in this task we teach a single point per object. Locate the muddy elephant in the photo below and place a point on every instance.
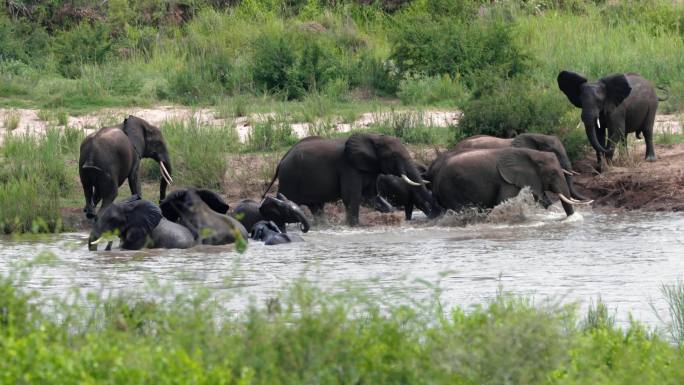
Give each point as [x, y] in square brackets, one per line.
[317, 170]
[203, 212]
[398, 193]
[270, 234]
[279, 210]
[487, 177]
[113, 154]
[139, 224]
[532, 141]
[618, 104]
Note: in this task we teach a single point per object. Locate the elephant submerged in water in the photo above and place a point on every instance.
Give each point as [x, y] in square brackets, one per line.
[532, 141]
[317, 170]
[487, 177]
[270, 234]
[279, 210]
[618, 104]
[139, 224]
[203, 212]
[113, 154]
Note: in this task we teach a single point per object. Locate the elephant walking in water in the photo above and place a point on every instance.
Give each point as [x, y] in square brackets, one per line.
[317, 170]
[532, 141]
[113, 154]
[488, 177]
[618, 104]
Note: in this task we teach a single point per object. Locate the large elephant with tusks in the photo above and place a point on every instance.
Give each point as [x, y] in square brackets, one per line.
[318, 170]
[113, 154]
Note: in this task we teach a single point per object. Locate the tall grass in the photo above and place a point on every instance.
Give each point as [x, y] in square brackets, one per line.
[34, 175]
[307, 335]
[674, 295]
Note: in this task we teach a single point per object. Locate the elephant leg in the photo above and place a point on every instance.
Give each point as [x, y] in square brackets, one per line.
[316, 209]
[134, 182]
[617, 137]
[507, 191]
[647, 129]
[351, 197]
[89, 203]
[107, 189]
[408, 211]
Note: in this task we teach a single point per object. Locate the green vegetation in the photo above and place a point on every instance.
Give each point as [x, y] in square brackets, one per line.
[310, 336]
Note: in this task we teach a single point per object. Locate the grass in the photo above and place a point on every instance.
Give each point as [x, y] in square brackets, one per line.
[12, 120]
[306, 335]
[674, 295]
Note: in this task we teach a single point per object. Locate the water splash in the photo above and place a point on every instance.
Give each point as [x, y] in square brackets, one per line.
[520, 209]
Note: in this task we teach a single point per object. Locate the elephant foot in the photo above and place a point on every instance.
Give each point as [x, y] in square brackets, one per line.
[651, 158]
[89, 212]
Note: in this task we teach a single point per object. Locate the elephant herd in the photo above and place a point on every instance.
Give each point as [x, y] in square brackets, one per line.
[365, 168]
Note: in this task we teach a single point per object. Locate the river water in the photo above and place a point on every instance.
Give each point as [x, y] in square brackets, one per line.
[624, 258]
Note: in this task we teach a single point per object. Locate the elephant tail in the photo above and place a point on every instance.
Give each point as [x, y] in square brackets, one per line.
[272, 181]
[666, 91]
[90, 166]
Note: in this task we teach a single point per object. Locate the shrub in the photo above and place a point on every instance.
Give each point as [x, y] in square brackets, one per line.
[83, 44]
[270, 135]
[512, 107]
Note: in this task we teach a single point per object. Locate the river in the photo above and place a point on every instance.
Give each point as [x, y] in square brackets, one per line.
[623, 257]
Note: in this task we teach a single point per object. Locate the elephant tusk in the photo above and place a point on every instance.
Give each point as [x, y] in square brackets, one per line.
[574, 172]
[426, 181]
[165, 173]
[98, 241]
[565, 199]
[566, 172]
[598, 124]
[409, 181]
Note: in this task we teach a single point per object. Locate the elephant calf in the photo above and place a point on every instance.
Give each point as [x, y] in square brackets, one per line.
[269, 232]
[139, 224]
[279, 210]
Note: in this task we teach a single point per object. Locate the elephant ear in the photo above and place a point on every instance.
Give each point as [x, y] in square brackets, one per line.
[525, 141]
[570, 83]
[517, 168]
[360, 152]
[142, 216]
[213, 200]
[171, 206]
[617, 88]
[134, 128]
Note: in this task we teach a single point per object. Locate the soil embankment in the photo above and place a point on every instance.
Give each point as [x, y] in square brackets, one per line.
[634, 184]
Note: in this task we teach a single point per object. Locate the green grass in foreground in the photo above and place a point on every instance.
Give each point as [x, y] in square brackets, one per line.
[309, 336]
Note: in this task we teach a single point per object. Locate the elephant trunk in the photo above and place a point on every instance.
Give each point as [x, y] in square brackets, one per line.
[422, 196]
[563, 191]
[304, 224]
[571, 188]
[591, 125]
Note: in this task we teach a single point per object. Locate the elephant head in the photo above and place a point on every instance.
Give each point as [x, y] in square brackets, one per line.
[594, 98]
[148, 142]
[550, 143]
[539, 170]
[382, 154]
[263, 230]
[171, 206]
[281, 211]
[132, 219]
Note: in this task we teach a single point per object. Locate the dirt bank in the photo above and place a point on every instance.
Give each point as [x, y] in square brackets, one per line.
[634, 184]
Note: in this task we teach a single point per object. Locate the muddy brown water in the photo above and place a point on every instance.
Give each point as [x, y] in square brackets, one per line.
[622, 257]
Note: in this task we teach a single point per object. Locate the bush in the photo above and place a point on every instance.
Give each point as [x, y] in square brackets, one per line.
[271, 135]
[84, 44]
[514, 106]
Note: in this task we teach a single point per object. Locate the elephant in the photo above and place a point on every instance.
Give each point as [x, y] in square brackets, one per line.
[397, 192]
[488, 177]
[619, 103]
[278, 209]
[269, 232]
[203, 212]
[533, 141]
[113, 154]
[318, 170]
[139, 224]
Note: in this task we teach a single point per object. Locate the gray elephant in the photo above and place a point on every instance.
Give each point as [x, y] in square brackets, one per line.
[487, 177]
[397, 192]
[270, 234]
[278, 209]
[317, 170]
[203, 212]
[139, 224]
[533, 141]
[620, 104]
[111, 155]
